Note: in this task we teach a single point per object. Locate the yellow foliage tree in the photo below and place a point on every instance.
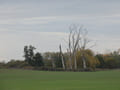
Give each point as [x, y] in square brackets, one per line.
[91, 60]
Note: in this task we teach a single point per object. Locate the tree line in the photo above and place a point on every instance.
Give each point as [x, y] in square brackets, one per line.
[53, 61]
[78, 55]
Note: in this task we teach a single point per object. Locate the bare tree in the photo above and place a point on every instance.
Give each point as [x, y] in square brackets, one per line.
[77, 40]
[69, 50]
[73, 43]
[83, 44]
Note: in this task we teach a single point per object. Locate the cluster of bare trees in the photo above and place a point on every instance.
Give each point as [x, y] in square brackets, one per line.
[77, 41]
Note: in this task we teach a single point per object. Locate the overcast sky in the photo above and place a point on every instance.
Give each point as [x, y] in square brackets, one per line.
[45, 24]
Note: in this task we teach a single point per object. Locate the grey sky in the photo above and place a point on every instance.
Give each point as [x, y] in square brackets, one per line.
[44, 24]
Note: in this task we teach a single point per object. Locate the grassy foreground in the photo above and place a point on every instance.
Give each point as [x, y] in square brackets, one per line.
[41, 80]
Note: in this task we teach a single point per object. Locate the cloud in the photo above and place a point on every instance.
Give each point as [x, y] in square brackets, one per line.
[48, 19]
[32, 20]
[38, 20]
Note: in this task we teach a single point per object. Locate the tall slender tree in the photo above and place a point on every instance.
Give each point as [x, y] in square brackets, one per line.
[62, 59]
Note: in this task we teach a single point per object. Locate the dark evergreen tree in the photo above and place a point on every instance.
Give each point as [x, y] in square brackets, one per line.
[38, 60]
[57, 59]
[32, 58]
[26, 55]
[101, 60]
[29, 54]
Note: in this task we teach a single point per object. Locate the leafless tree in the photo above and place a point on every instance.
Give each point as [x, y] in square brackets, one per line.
[73, 43]
[77, 40]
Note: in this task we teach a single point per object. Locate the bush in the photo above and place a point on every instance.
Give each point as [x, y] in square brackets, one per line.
[16, 64]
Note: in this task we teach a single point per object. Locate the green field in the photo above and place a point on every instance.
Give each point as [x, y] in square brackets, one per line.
[41, 80]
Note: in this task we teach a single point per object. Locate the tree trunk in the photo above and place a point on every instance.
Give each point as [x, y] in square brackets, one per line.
[63, 64]
[75, 62]
[53, 63]
[70, 63]
[84, 62]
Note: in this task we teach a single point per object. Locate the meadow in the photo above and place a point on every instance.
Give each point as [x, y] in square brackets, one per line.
[11, 79]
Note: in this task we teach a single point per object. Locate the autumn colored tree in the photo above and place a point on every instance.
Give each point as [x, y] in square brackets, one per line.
[91, 60]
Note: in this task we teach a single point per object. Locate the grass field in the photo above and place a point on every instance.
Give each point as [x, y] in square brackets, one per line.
[41, 80]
